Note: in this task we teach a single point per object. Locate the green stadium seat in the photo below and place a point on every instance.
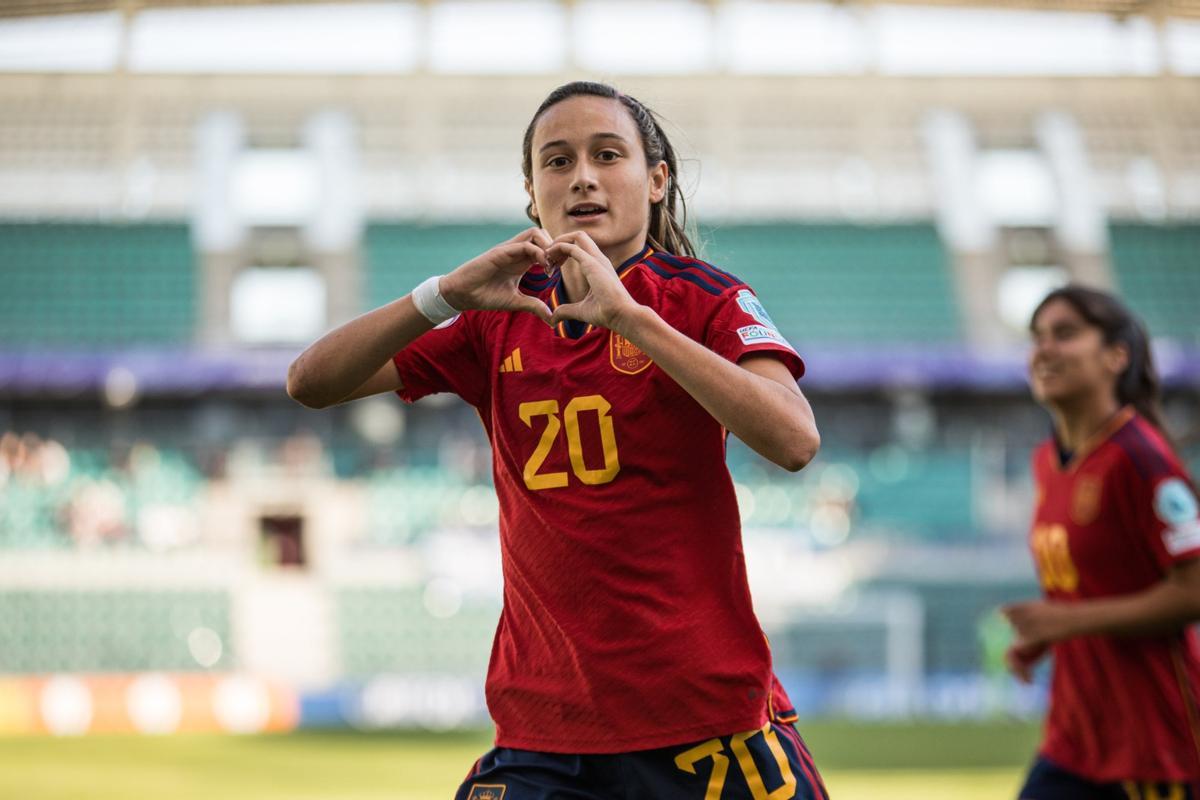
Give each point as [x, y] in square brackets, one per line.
[400, 256]
[407, 504]
[32, 515]
[890, 282]
[108, 631]
[83, 285]
[844, 283]
[390, 630]
[929, 498]
[1158, 273]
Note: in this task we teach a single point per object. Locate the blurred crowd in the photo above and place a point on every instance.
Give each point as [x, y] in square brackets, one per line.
[50, 495]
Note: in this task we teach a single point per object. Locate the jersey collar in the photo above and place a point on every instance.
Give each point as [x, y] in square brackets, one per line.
[1114, 424]
[573, 329]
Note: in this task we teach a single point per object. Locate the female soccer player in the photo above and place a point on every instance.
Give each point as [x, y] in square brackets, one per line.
[628, 662]
[1116, 539]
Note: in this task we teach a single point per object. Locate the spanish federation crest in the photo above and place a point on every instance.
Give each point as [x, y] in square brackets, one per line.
[487, 791]
[625, 356]
[1085, 503]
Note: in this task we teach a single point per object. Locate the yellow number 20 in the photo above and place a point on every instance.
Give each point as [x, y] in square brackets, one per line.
[713, 749]
[549, 409]
[1052, 551]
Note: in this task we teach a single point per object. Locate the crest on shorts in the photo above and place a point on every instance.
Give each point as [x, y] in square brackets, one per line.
[625, 356]
[487, 791]
[1085, 502]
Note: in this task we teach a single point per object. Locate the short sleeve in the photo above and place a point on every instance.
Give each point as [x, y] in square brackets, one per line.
[446, 359]
[741, 326]
[1161, 505]
[1174, 518]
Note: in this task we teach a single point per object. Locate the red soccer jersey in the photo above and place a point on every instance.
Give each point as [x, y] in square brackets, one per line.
[1113, 521]
[627, 621]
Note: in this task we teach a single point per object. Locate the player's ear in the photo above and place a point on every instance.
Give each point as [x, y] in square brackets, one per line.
[532, 202]
[1116, 358]
[659, 176]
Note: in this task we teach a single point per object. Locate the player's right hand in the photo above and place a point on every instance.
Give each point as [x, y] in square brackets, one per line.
[491, 280]
[1021, 659]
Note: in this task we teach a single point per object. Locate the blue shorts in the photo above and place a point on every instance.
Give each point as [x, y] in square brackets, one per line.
[1048, 781]
[771, 763]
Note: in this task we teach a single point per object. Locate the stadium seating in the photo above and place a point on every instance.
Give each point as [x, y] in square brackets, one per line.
[892, 491]
[83, 285]
[28, 517]
[108, 630]
[1158, 272]
[932, 498]
[150, 501]
[391, 630]
[891, 282]
[405, 505]
[844, 283]
[399, 256]
[87, 284]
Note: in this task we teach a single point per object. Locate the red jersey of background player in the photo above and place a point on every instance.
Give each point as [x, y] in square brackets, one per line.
[1112, 521]
[627, 621]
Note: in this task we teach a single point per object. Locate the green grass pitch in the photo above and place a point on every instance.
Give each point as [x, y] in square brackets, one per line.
[900, 762]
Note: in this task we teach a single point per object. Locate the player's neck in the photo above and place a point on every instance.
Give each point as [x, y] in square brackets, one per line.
[1079, 419]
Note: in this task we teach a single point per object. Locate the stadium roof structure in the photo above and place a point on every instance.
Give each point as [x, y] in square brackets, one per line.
[734, 37]
[1119, 8]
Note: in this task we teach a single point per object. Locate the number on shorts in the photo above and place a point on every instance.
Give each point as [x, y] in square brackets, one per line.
[688, 759]
[1148, 790]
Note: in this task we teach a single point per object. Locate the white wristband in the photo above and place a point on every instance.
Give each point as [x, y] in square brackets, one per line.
[429, 301]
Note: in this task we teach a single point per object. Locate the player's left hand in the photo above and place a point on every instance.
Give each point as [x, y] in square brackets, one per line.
[1038, 622]
[606, 301]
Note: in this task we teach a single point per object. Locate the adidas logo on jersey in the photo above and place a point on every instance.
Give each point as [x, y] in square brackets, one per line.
[513, 362]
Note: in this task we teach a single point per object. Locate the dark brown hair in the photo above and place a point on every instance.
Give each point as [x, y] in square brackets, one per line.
[1138, 385]
[668, 217]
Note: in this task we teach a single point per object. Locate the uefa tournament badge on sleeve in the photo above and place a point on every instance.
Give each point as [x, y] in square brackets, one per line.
[764, 331]
[1175, 505]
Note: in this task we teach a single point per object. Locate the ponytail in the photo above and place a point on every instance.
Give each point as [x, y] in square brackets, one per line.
[1139, 385]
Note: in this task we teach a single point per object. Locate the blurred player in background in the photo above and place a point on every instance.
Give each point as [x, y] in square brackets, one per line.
[1116, 538]
[628, 662]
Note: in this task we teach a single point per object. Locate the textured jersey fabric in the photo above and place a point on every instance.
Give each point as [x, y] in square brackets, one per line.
[1112, 521]
[627, 621]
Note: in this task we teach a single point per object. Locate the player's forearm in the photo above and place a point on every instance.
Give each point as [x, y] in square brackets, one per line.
[774, 421]
[343, 359]
[1164, 607]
